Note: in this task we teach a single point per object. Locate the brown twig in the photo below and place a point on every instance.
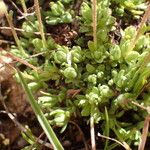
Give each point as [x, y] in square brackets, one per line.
[21, 61]
[24, 6]
[6, 42]
[21, 13]
[17, 59]
[41, 28]
[138, 105]
[145, 128]
[21, 30]
[112, 139]
[94, 25]
[10, 22]
[38, 142]
[13, 57]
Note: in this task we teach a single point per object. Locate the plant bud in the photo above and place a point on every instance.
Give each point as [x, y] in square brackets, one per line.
[115, 52]
[57, 8]
[132, 57]
[92, 79]
[60, 57]
[77, 54]
[90, 68]
[66, 18]
[70, 73]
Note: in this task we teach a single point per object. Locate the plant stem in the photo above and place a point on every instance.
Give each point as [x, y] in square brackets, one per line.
[94, 24]
[21, 30]
[24, 6]
[41, 28]
[21, 61]
[94, 18]
[112, 139]
[9, 19]
[14, 5]
[119, 136]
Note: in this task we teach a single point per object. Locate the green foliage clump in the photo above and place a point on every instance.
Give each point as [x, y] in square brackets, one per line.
[135, 7]
[109, 74]
[58, 13]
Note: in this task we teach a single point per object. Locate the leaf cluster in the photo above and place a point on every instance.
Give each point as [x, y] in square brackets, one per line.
[108, 75]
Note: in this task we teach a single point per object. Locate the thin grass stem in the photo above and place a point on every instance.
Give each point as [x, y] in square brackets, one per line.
[9, 19]
[144, 133]
[24, 6]
[41, 27]
[139, 31]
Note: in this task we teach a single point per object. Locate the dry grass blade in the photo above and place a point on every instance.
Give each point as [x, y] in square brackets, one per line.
[21, 30]
[7, 54]
[41, 28]
[24, 6]
[112, 139]
[6, 42]
[145, 128]
[138, 105]
[94, 24]
[21, 61]
[15, 6]
[144, 133]
[9, 19]
[43, 143]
